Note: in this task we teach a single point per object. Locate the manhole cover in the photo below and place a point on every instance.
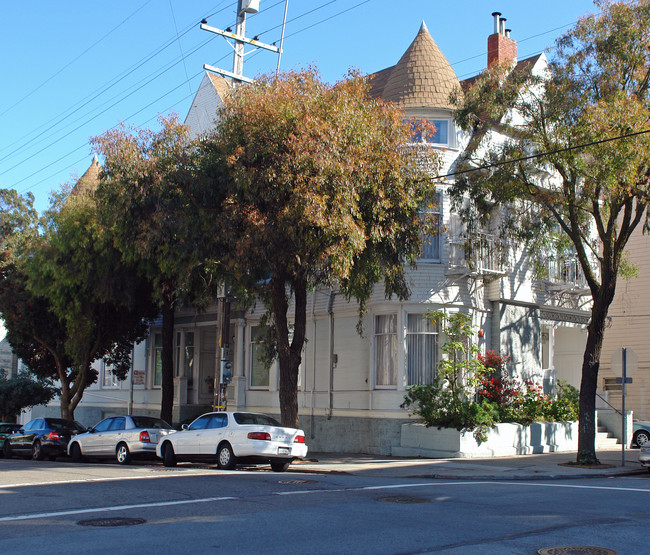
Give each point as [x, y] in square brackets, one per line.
[403, 499]
[576, 550]
[112, 522]
[296, 482]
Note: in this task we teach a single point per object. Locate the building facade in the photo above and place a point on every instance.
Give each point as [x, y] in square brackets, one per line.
[351, 385]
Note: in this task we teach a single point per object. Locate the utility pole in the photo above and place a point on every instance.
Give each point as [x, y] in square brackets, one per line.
[244, 7]
[223, 358]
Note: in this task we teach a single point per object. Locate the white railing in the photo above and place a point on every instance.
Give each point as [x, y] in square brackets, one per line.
[566, 271]
[477, 252]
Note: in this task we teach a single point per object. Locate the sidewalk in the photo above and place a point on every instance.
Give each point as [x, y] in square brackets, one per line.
[524, 467]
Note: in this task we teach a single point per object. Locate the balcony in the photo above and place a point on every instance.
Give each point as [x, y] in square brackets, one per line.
[565, 276]
[478, 254]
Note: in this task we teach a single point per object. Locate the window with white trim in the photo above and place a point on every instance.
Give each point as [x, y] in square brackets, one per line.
[108, 379]
[386, 350]
[421, 349]
[431, 240]
[259, 372]
[437, 132]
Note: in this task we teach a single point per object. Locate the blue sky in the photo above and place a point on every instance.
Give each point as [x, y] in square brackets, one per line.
[74, 69]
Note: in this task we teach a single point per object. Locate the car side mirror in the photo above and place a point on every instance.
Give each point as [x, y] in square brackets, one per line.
[185, 427]
[91, 430]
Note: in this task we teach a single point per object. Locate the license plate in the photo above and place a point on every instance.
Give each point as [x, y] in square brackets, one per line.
[284, 451]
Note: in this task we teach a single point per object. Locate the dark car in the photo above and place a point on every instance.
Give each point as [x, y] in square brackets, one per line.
[42, 437]
[6, 429]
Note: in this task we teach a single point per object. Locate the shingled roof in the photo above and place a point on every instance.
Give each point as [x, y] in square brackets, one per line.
[89, 181]
[422, 78]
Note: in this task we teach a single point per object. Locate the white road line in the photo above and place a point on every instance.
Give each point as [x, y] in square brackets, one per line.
[114, 508]
[187, 472]
[303, 492]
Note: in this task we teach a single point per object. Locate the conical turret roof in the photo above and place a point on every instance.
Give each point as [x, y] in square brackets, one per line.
[422, 78]
[89, 181]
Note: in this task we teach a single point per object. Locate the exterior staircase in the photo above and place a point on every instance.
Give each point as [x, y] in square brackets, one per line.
[605, 439]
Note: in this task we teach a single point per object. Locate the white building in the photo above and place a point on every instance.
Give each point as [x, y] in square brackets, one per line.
[351, 386]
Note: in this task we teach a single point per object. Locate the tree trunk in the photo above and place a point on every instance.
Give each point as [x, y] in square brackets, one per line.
[289, 355]
[590, 366]
[67, 413]
[167, 403]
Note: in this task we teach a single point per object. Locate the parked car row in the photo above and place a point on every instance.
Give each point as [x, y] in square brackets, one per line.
[227, 438]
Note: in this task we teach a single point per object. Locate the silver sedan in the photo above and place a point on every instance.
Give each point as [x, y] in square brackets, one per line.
[122, 437]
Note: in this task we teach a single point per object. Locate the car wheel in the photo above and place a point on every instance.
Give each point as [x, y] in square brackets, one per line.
[169, 458]
[6, 449]
[641, 437]
[280, 466]
[75, 453]
[37, 451]
[122, 454]
[226, 459]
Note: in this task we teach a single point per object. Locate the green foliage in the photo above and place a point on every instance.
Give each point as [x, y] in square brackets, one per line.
[309, 184]
[567, 178]
[476, 394]
[21, 392]
[146, 200]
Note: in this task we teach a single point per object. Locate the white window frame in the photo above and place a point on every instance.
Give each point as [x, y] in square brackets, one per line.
[431, 330]
[252, 344]
[382, 336]
[436, 210]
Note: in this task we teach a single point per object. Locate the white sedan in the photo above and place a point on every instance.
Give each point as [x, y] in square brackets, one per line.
[234, 437]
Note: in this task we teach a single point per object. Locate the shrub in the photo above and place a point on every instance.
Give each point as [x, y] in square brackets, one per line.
[475, 393]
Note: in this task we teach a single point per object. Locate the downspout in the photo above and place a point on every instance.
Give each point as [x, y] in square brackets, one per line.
[495, 340]
[330, 311]
[313, 378]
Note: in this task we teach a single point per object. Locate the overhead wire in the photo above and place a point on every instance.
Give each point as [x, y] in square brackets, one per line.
[103, 89]
[197, 74]
[58, 71]
[132, 92]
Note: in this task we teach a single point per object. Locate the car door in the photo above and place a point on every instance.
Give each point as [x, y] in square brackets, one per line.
[213, 434]
[23, 441]
[187, 442]
[111, 437]
[93, 442]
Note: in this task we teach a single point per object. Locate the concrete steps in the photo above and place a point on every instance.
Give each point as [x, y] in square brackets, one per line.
[605, 439]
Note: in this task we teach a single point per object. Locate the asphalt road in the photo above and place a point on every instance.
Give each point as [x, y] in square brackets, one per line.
[49, 507]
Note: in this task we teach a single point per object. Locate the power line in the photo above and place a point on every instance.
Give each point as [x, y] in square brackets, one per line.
[543, 154]
[104, 88]
[73, 60]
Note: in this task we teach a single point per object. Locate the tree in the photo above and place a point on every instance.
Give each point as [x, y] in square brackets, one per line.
[143, 199]
[575, 166]
[308, 185]
[36, 335]
[21, 392]
[98, 305]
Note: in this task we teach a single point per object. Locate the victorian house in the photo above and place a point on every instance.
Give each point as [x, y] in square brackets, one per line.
[351, 386]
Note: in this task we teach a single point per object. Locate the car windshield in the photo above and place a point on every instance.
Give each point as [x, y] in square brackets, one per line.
[150, 422]
[64, 425]
[253, 418]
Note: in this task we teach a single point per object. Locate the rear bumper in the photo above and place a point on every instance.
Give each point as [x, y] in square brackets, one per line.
[272, 450]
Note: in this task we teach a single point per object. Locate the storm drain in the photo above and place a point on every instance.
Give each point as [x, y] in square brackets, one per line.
[404, 499]
[576, 550]
[112, 522]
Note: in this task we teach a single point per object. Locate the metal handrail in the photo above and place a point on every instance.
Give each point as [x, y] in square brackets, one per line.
[608, 403]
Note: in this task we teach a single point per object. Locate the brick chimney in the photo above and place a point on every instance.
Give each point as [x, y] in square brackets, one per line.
[501, 47]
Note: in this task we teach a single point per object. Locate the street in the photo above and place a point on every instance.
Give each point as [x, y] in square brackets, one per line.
[60, 507]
